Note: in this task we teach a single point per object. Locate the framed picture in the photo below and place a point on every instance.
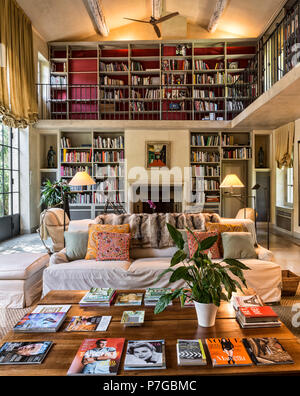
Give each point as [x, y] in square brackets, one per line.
[157, 155]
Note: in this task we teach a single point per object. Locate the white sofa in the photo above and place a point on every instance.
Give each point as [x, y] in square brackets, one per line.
[146, 264]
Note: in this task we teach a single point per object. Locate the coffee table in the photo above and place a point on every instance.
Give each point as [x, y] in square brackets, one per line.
[174, 323]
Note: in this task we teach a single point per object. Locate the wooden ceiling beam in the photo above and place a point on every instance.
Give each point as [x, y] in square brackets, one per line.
[95, 11]
[218, 11]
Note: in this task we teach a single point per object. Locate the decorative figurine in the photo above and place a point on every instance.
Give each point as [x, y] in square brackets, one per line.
[50, 157]
[261, 158]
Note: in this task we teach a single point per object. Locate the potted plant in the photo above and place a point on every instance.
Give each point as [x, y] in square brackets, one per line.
[52, 193]
[207, 283]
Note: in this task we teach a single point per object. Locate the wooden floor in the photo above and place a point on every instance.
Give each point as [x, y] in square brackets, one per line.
[285, 248]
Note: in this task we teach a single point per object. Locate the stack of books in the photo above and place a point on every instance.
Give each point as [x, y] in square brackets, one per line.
[253, 317]
[125, 299]
[153, 294]
[98, 297]
[190, 353]
[145, 355]
[133, 318]
[44, 318]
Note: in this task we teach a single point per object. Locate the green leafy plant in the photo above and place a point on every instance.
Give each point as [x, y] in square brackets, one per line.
[207, 282]
[52, 193]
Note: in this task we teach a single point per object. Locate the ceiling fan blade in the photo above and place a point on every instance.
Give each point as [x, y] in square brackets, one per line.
[157, 31]
[136, 20]
[166, 17]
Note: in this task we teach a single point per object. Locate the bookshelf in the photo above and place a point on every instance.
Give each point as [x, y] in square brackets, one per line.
[210, 154]
[145, 80]
[101, 155]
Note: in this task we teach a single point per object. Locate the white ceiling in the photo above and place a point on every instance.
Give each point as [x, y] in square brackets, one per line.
[59, 20]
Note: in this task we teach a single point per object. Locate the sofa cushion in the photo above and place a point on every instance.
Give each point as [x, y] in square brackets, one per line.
[22, 265]
[224, 227]
[138, 253]
[76, 244]
[80, 225]
[93, 231]
[238, 245]
[151, 263]
[201, 236]
[112, 246]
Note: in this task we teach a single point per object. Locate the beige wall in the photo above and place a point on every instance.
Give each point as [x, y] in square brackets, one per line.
[296, 178]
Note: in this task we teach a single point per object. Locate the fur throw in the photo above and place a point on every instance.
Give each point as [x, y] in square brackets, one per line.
[150, 230]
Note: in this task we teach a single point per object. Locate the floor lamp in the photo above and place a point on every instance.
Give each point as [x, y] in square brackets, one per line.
[80, 179]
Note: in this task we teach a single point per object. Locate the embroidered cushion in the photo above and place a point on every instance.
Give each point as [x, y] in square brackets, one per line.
[200, 235]
[94, 229]
[224, 227]
[112, 246]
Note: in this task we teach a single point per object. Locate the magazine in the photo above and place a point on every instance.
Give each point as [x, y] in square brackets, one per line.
[98, 297]
[227, 352]
[265, 351]
[124, 299]
[246, 301]
[98, 356]
[32, 352]
[145, 355]
[190, 352]
[133, 318]
[44, 318]
[153, 294]
[88, 323]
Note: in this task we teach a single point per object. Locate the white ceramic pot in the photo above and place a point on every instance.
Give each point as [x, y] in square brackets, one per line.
[206, 314]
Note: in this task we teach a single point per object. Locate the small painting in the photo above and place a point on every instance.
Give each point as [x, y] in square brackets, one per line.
[157, 155]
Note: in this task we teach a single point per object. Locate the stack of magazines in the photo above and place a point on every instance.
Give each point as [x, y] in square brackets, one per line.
[252, 317]
[145, 355]
[190, 353]
[133, 318]
[98, 297]
[153, 294]
[44, 318]
[124, 299]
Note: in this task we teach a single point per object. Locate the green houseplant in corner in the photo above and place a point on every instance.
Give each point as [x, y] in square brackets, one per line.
[207, 283]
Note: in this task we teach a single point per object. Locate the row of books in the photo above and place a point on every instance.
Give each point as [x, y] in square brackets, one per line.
[149, 94]
[236, 105]
[206, 93]
[200, 105]
[238, 153]
[114, 66]
[81, 199]
[204, 140]
[202, 65]
[151, 354]
[205, 185]
[110, 185]
[108, 171]
[58, 80]
[101, 197]
[108, 142]
[175, 64]
[174, 79]
[216, 78]
[109, 156]
[138, 80]
[76, 156]
[205, 170]
[174, 93]
[71, 171]
[205, 156]
[105, 80]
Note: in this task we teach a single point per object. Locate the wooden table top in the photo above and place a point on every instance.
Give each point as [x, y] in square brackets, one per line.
[174, 323]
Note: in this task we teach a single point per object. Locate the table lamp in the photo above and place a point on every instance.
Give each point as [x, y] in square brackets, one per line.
[232, 181]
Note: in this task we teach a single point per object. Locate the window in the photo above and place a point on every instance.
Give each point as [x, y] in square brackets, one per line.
[289, 186]
[9, 171]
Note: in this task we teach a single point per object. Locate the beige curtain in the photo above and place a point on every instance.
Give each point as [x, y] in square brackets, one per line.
[18, 104]
[284, 140]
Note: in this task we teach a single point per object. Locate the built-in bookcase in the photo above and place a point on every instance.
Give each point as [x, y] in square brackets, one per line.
[101, 155]
[147, 80]
[209, 151]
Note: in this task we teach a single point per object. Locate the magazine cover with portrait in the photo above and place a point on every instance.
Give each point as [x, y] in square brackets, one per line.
[32, 352]
[98, 356]
[145, 354]
[228, 352]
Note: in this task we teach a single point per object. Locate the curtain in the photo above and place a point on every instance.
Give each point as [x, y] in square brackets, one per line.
[284, 140]
[18, 104]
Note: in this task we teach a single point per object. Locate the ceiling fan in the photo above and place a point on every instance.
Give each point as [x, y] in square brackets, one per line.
[154, 21]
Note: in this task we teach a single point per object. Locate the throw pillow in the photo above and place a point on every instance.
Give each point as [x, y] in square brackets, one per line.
[91, 252]
[112, 246]
[238, 245]
[76, 244]
[214, 250]
[224, 227]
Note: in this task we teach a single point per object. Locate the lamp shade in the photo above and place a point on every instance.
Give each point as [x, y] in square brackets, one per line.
[81, 179]
[232, 181]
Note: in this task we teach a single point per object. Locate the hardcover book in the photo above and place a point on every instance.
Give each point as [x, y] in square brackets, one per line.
[226, 352]
[265, 351]
[88, 323]
[145, 355]
[32, 352]
[190, 353]
[133, 318]
[257, 314]
[125, 299]
[98, 356]
[44, 318]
